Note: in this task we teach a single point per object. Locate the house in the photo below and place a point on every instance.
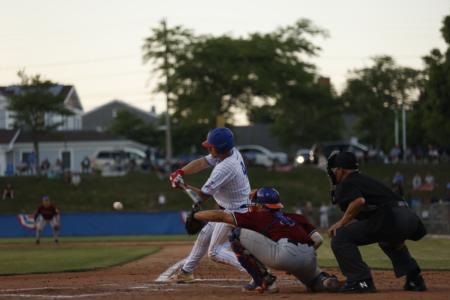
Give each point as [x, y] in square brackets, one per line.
[256, 134]
[68, 146]
[100, 118]
[71, 101]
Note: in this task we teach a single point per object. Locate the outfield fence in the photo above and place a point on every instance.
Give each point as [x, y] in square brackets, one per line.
[99, 224]
[436, 217]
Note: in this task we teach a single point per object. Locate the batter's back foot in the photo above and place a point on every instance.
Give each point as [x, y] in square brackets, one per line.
[181, 276]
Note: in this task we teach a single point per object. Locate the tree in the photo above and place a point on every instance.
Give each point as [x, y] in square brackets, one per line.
[307, 113]
[433, 109]
[31, 103]
[165, 48]
[132, 127]
[224, 74]
[375, 94]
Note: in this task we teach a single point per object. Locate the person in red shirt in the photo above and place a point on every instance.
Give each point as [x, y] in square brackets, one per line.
[266, 237]
[46, 213]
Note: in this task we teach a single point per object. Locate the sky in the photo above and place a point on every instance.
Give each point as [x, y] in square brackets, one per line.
[95, 45]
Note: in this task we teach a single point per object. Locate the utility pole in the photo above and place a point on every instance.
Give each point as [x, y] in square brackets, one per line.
[396, 129]
[404, 132]
[167, 91]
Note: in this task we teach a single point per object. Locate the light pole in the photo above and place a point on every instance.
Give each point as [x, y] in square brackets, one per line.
[167, 91]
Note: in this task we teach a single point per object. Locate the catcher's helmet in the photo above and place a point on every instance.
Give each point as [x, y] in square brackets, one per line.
[220, 138]
[269, 197]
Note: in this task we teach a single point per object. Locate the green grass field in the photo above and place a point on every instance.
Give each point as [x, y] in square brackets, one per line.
[20, 256]
[430, 253]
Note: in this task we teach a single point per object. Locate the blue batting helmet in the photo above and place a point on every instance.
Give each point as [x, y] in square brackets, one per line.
[220, 138]
[269, 197]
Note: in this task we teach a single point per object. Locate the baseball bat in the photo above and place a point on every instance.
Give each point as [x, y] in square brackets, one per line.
[193, 195]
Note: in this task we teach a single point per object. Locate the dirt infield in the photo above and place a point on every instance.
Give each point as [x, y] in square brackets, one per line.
[137, 281]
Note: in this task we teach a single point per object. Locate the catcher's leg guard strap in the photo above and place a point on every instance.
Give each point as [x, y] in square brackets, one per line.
[254, 267]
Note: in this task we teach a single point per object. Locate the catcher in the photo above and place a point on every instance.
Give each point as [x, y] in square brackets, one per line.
[267, 237]
[46, 213]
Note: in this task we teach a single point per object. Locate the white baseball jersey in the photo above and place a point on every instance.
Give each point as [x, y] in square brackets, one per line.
[228, 182]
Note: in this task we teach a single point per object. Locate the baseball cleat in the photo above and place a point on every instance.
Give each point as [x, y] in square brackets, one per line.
[38, 242]
[269, 285]
[251, 286]
[331, 284]
[360, 286]
[181, 276]
[416, 284]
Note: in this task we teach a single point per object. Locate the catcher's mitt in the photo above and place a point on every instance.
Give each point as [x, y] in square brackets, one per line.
[192, 225]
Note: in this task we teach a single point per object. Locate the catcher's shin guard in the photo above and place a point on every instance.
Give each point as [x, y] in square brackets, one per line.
[254, 267]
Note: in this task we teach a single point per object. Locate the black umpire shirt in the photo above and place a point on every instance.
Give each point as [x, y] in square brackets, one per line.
[374, 192]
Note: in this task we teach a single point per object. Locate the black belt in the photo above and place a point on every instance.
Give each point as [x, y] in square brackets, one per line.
[242, 206]
[293, 242]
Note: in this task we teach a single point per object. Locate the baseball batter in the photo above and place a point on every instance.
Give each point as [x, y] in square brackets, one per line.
[46, 213]
[228, 184]
[267, 237]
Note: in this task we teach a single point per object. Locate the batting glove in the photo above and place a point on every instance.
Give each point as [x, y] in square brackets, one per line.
[176, 178]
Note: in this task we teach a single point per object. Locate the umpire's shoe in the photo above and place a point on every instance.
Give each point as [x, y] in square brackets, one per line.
[360, 286]
[415, 284]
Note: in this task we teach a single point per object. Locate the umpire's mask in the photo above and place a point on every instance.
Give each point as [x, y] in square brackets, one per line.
[331, 167]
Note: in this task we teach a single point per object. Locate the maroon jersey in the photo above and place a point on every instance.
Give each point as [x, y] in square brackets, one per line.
[46, 212]
[267, 224]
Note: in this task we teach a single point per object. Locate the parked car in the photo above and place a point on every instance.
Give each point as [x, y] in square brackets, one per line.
[361, 151]
[303, 156]
[117, 158]
[260, 156]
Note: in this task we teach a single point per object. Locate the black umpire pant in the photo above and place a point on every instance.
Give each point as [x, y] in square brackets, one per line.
[347, 239]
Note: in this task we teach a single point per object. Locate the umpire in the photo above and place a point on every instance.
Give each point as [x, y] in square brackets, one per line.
[372, 214]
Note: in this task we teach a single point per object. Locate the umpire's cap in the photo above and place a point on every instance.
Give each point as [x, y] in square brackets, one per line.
[344, 160]
[269, 197]
[220, 138]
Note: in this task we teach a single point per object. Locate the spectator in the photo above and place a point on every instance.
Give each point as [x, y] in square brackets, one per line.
[429, 183]
[397, 184]
[31, 163]
[408, 155]
[86, 165]
[416, 182]
[8, 192]
[447, 193]
[131, 166]
[429, 179]
[45, 166]
[55, 170]
[59, 166]
[324, 220]
[395, 154]
[433, 154]
[418, 154]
